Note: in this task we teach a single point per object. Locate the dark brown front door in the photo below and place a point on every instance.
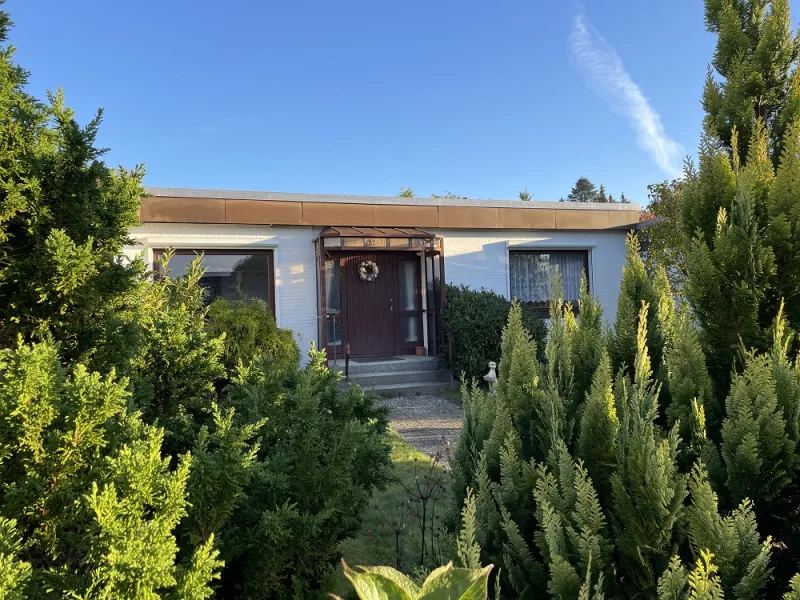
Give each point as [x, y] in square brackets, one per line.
[368, 306]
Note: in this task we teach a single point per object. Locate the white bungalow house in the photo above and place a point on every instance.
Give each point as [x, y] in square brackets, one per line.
[360, 275]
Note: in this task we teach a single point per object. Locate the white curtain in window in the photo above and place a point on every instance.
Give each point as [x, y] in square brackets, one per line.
[531, 272]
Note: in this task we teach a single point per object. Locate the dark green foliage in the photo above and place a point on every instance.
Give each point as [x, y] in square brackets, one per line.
[647, 489]
[755, 58]
[583, 191]
[64, 217]
[612, 525]
[126, 466]
[321, 453]
[572, 537]
[755, 445]
[743, 558]
[178, 360]
[477, 425]
[599, 428]
[688, 379]
[636, 289]
[729, 270]
[475, 318]
[250, 331]
[690, 435]
[783, 232]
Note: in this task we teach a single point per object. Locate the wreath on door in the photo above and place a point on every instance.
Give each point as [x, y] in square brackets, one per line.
[368, 271]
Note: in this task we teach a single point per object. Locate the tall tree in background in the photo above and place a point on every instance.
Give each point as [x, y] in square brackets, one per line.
[754, 60]
[663, 235]
[525, 195]
[601, 195]
[583, 191]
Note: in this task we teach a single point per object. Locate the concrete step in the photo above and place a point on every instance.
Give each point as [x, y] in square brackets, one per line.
[394, 377]
[406, 363]
[409, 389]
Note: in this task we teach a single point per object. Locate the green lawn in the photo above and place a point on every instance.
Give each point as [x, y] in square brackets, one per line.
[390, 534]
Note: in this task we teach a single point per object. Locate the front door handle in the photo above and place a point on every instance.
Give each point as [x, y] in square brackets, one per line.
[391, 304]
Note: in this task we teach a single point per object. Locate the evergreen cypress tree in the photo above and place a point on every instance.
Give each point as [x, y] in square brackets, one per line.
[597, 445]
[587, 343]
[64, 218]
[688, 380]
[702, 583]
[727, 284]
[706, 190]
[758, 453]
[636, 288]
[755, 57]
[647, 489]
[572, 536]
[743, 559]
[476, 427]
[783, 232]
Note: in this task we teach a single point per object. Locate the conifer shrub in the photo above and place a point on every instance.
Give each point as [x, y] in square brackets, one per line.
[250, 331]
[621, 490]
[89, 506]
[475, 319]
[126, 471]
[320, 453]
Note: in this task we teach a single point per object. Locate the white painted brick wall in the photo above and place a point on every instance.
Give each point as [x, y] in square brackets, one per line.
[474, 258]
[295, 279]
[480, 258]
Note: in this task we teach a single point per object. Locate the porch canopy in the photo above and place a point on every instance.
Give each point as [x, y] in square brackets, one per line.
[377, 238]
[406, 300]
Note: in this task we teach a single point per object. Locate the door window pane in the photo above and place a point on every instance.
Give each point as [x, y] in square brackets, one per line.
[408, 285]
[333, 301]
[531, 274]
[409, 329]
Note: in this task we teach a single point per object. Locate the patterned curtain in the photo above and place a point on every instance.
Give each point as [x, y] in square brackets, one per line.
[531, 274]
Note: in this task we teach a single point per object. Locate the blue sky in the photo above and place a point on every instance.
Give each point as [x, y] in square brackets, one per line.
[482, 98]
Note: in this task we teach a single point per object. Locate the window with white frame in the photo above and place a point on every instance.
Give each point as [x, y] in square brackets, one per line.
[531, 272]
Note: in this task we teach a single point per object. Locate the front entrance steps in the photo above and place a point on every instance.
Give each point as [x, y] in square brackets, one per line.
[398, 375]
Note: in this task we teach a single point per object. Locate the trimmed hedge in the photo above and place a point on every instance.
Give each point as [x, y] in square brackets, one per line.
[476, 319]
[250, 332]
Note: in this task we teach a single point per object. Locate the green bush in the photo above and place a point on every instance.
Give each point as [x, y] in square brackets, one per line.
[88, 504]
[476, 319]
[284, 461]
[304, 487]
[250, 331]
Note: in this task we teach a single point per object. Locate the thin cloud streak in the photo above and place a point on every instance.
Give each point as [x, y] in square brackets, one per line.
[605, 73]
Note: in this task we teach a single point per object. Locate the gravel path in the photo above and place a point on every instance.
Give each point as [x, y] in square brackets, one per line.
[429, 423]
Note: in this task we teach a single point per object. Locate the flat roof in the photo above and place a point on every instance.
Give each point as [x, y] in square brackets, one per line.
[388, 200]
[181, 205]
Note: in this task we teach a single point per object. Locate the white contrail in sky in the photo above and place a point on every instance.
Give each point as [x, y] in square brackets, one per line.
[606, 75]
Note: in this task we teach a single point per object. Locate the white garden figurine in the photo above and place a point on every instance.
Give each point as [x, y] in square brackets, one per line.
[491, 376]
